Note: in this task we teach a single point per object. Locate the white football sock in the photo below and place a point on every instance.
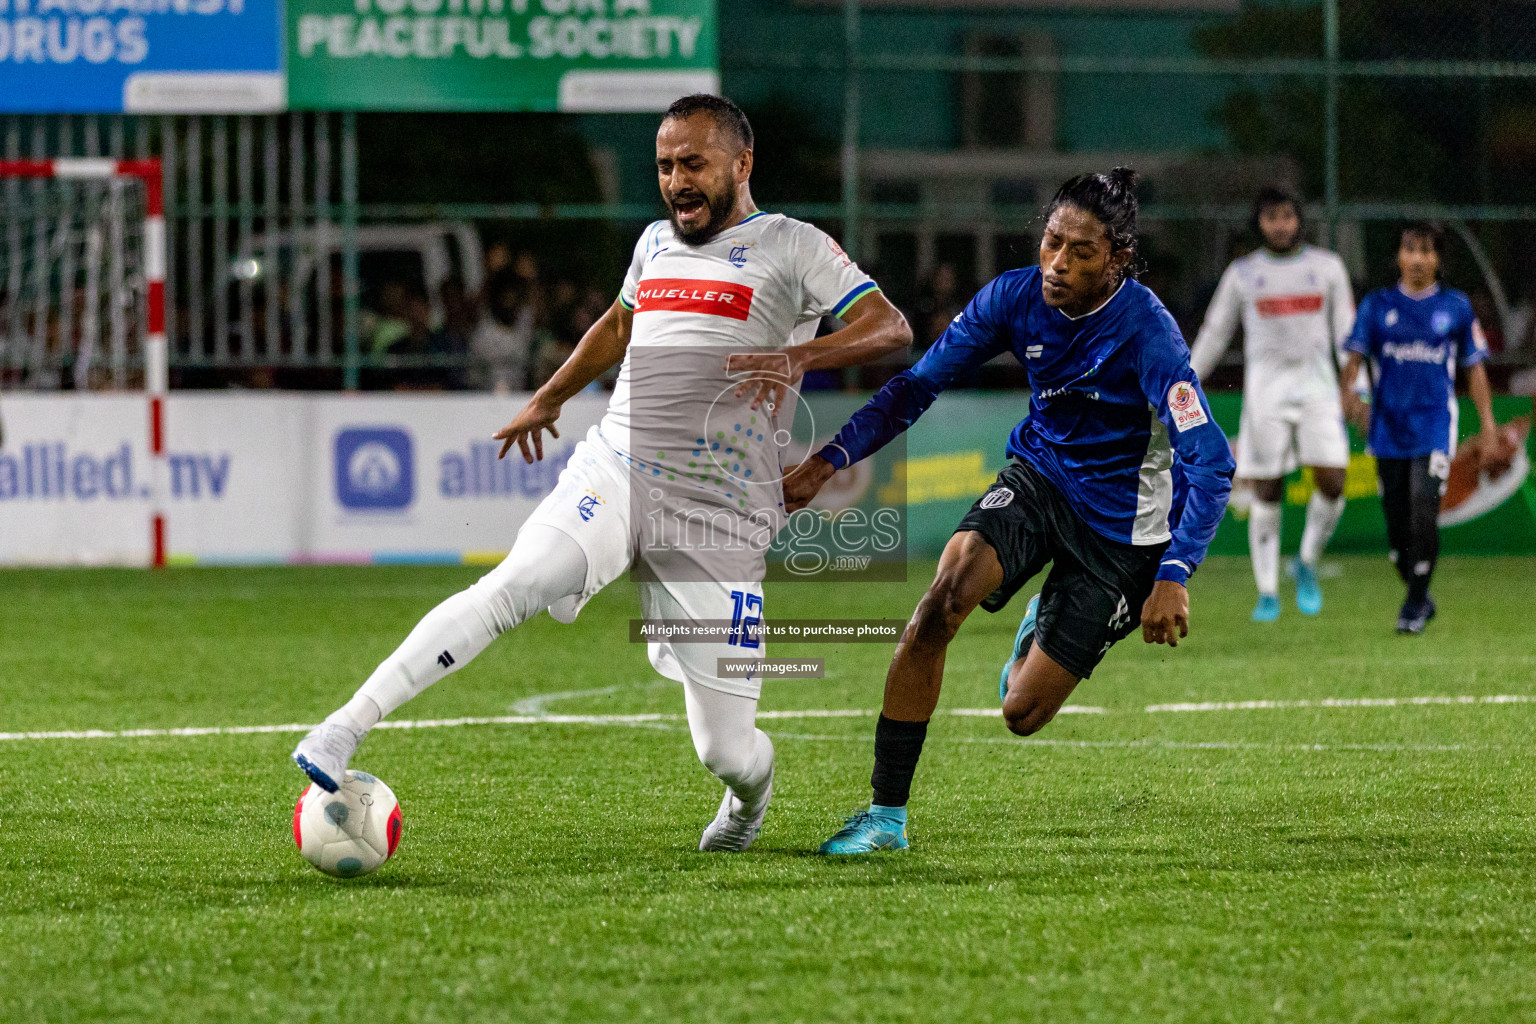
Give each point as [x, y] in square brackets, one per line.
[358, 714]
[1322, 518]
[543, 566]
[1264, 544]
[728, 742]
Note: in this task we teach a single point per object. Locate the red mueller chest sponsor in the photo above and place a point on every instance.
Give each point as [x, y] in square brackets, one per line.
[685, 295]
[1288, 305]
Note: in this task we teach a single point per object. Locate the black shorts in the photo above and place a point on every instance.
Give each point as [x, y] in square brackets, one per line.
[1093, 596]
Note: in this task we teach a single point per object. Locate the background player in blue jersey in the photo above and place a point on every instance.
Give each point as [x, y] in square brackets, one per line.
[1414, 334]
[1090, 487]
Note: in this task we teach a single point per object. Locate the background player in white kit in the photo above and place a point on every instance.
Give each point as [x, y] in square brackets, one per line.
[1296, 309]
[678, 446]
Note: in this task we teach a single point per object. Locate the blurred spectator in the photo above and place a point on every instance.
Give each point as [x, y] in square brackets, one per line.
[497, 258]
[1488, 315]
[1519, 342]
[401, 327]
[386, 328]
[939, 300]
[576, 313]
[501, 346]
[564, 300]
[572, 312]
[448, 346]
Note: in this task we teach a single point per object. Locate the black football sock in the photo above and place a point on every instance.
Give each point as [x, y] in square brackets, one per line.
[1424, 534]
[1418, 584]
[898, 745]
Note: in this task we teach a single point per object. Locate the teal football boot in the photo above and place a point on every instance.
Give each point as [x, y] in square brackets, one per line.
[867, 832]
[1268, 608]
[1020, 645]
[1309, 596]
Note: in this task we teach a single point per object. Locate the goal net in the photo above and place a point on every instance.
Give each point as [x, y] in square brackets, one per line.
[81, 244]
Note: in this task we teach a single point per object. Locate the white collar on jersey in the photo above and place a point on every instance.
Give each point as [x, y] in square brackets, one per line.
[1419, 296]
[748, 219]
[1283, 257]
[1100, 306]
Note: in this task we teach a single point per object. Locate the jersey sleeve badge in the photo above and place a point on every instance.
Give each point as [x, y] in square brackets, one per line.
[838, 253]
[1479, 339]
[1184, 406]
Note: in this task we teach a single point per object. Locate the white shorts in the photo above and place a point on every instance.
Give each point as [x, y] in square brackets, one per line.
[1277, 436]
[592, 503]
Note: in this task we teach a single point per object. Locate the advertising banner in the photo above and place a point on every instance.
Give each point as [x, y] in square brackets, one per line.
[416, 478]
[271, 478]
[141, 56]
[579, 55]
[957, 448]
[75, 481]
[291, 478]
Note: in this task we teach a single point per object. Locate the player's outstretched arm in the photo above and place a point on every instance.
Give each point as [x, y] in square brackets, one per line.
[1205, 457]
[805, 481]
[1221, 320]
[972, 338]
[1490, 457]
[1165, 616]
[875, 329]
[600, 349]
[1355, 409]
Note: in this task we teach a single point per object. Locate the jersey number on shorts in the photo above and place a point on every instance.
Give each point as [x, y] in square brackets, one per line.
[746, 628]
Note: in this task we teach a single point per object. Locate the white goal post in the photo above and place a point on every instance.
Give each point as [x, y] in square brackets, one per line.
[82, 285]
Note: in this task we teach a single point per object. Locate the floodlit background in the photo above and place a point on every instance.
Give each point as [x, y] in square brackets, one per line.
[436, 200]
[380, 223]
[408, 234]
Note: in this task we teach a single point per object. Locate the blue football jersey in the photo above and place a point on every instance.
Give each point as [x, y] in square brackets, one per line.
[1113, 403]
[1415, 344]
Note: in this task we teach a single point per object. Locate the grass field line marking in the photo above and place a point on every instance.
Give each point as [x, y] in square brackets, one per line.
[420, 723]
[124, 734]
[539, 703]
[1066, 709]
[659, 717]
[1337, 702]
[664, 719]
[1011, 741]
[429, 723]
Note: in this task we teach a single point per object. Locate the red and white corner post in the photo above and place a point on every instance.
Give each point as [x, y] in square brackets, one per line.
[157, 371]
[156, 353]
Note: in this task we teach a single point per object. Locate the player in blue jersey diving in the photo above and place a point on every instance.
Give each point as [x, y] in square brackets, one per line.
[1414, 334]
[1090, 487]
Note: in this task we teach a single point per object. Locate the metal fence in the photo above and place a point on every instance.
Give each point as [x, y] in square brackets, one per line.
[257, 206]
[1382, 111]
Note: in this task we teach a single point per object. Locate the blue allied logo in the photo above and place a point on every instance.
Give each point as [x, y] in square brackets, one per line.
[738, 256]
[374, 469]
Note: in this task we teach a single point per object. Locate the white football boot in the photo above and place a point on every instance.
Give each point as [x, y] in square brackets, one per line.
[324, 753]
[733, 830]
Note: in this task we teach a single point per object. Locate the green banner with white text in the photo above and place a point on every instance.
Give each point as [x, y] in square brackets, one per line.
[577, 55]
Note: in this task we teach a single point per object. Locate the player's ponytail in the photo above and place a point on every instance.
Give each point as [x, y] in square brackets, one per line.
[1111, 198]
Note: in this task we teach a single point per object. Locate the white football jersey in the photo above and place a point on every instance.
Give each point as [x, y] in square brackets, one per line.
[761, 285]
[1295, 310]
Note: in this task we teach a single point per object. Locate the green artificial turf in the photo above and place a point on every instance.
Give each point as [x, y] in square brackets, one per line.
[1370, 863]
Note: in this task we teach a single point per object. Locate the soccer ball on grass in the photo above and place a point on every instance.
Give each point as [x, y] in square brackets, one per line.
[350, 832]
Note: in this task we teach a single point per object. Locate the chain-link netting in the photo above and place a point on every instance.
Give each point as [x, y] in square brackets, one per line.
[72, 287]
